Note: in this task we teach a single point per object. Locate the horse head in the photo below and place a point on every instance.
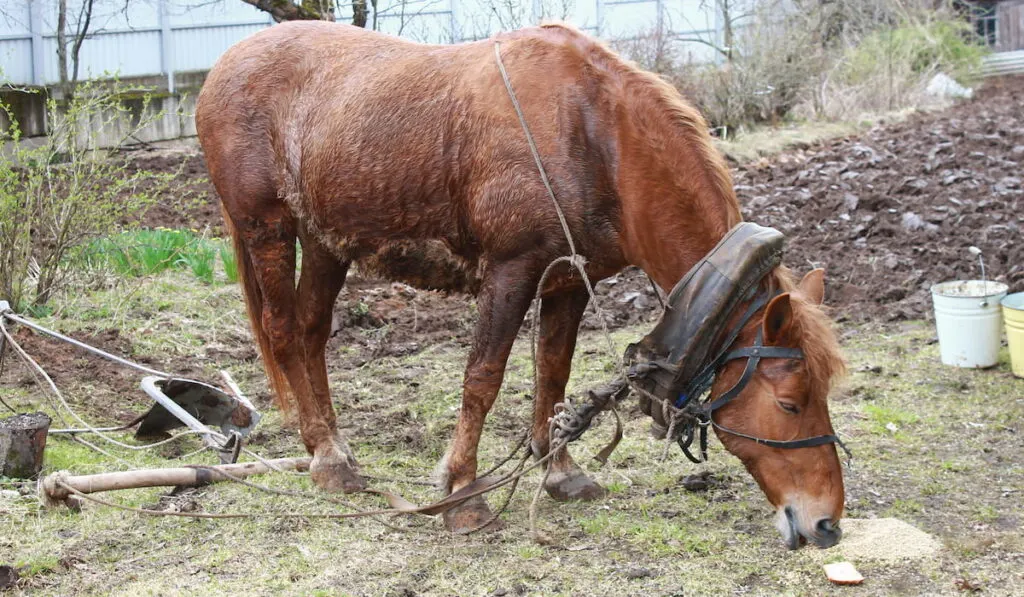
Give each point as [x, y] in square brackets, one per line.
[785, 399]
[741, 332]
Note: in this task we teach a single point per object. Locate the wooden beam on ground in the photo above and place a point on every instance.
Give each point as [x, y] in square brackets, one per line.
[52, 490]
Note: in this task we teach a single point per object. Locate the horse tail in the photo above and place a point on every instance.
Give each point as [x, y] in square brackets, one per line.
[249, 282]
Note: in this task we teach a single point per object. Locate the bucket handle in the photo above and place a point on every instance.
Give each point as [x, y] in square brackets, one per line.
[984, 279]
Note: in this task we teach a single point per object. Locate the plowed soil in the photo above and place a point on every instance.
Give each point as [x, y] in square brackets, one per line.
[893, 211]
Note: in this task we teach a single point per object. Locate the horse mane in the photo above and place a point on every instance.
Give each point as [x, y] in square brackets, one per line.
[656, 92]
[817, 334]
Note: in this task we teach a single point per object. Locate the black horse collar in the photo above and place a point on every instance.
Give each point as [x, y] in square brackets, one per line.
[675, 365]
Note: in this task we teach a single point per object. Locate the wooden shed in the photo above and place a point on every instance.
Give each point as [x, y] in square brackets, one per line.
[999, 23]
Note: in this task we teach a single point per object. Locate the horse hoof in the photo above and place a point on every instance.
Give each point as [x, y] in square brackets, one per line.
[573, 485]
[336, 473]
[471, 516]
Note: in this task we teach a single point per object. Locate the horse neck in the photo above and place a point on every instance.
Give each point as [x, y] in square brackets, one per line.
[674, 188]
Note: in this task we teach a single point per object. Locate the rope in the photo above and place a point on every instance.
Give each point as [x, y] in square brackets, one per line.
[3, 362]
[84, 346]
[533, 148]
[306, 494]
[38, 372]
[87, 428]
[574, 260]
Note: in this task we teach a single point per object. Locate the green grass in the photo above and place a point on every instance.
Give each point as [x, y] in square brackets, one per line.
[147, 252]
[228, 263]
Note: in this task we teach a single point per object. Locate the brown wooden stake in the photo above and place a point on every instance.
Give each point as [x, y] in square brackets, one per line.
[51, 492]
[22, 443]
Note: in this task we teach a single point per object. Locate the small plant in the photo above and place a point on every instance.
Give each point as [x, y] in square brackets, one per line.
[156, 250]
[200, 257]
[227, 260]
[148, 252]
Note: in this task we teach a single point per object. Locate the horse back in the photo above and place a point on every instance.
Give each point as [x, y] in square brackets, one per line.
[374, 140]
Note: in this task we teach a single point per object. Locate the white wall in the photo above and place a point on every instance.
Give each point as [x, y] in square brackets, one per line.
[154, 37]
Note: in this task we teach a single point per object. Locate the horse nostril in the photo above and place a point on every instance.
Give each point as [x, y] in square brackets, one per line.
[828, 533]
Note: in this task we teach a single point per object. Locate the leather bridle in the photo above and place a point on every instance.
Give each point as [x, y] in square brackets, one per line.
[690, 417]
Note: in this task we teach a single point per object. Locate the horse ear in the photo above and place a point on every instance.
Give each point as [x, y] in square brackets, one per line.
[778, 319]
[813, 286]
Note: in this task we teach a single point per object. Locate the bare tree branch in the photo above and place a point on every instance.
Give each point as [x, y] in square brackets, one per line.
[285, 10]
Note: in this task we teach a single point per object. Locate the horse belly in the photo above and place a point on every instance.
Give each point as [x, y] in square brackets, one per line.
[382, 193]
[425, 264]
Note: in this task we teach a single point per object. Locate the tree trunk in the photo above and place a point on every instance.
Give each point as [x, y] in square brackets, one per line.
[69, 74]
[359, 13]
[22, 442]
[62, 48]
[727, 34]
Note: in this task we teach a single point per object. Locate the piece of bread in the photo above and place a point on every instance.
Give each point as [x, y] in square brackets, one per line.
[843, 573]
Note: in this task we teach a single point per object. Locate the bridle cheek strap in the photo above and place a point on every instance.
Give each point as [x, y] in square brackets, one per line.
[705, 416]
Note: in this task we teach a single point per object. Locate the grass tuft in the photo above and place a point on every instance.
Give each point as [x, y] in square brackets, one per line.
[147, 252]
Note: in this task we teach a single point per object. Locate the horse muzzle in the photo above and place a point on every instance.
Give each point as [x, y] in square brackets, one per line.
[823, 532]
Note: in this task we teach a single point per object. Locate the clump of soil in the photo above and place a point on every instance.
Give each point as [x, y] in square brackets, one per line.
[394, 319]
[190, 202]
[116, 388]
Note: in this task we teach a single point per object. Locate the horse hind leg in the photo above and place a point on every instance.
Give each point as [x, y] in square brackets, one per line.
[560, 321]
[267, 240]
[320, 281]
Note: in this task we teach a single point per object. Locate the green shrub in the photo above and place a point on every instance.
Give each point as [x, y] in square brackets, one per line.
[60, 194]
[921, 48]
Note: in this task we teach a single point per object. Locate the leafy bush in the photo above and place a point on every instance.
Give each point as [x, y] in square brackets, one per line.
[67, 190]
[919, 47]
[804, 58]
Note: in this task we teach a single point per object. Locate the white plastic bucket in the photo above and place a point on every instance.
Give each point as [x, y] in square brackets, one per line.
[969, 322]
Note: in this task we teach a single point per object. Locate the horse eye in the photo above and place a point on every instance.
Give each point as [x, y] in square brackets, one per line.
[789, 407]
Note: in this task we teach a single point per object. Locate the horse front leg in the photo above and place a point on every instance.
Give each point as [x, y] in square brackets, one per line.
[503, 300]
[560, 317]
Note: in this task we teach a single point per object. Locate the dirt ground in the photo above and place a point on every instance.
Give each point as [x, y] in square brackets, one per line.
[888, 212]
[892, 211]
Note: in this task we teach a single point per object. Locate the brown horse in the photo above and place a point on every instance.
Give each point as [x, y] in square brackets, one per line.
[364, 146]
